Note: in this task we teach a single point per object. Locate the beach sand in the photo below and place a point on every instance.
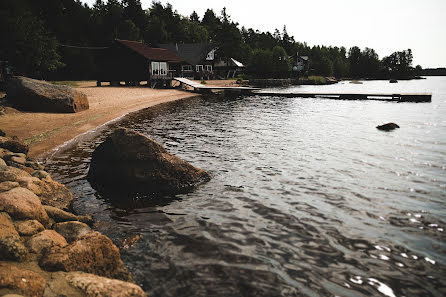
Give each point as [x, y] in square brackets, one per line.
[45, 131]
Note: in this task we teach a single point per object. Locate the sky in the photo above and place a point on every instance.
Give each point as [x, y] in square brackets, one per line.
[384, 25]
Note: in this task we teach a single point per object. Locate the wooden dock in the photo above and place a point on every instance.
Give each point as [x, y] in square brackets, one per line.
[200, 88]
[403, 97]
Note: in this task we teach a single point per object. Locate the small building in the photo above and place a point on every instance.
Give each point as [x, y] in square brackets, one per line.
[301, 63]
[228, 67]
[199, 58]
[133, 62]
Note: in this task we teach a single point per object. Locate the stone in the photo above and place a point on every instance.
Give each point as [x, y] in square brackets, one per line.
[40, 174]
[21, 203]
[43, 241]
[2, 133]
[12, 248]
[7, 229]
[387, 127]
[34, 165]
[12, 174]
[49, 191]
[15, 159]
[36, 95]
[72, 230]
[2, 162]
[13, 145]
[28, 227]
[60, 215]
[93, 285]
[92, 253]
[24, 281]
[8, 185]
[130, 160]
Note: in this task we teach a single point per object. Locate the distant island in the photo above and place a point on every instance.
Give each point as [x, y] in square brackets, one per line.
[63, 40]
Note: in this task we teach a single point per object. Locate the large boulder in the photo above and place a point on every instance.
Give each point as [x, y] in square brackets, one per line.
[43, 241]
[36, 95]
[14, 280]
[28, 227]
[130, 160]
[72, 230]
[93, 285]
[92, 253]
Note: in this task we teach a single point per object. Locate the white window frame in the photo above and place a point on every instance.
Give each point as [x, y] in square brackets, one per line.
[208, 68]
[199, 68]
[155, 68]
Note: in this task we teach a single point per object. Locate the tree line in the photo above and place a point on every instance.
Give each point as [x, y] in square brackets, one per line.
[61, 39]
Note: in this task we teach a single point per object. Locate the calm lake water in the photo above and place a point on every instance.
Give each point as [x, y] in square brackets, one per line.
[307, 197]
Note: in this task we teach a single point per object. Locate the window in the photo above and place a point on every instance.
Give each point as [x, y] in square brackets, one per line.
[199, 68]
[163, 68]
[155, 68]
[186, 67]
[208, 67]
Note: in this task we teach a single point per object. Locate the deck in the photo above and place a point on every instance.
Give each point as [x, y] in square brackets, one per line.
[200, 88]
[402, 97]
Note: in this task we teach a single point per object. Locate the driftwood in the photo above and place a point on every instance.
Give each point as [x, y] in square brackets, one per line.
[35, 95]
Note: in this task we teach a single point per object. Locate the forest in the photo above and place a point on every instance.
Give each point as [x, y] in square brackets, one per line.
[61, 39]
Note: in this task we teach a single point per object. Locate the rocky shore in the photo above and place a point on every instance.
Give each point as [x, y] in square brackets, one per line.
[46, 249]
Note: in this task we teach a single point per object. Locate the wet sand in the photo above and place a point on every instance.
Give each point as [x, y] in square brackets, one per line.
[45, 131]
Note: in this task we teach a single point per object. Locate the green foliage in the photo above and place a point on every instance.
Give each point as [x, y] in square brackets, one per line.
[260, 63]
[399, 64]
[318, 80]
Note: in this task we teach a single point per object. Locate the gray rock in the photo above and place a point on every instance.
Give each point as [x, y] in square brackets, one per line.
[72, 230]
[387, 127]
[36, 95]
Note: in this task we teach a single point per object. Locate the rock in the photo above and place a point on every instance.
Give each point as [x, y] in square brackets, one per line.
[21, 203]
[34, 165]
[92, 253]
[130, 160]
[49, 191]
[24, 281]
[7, 229]
[43, 241]
[28, 227]
[93, 285]
[36, 95]
[72, 230]
[2, 133]
[2, 162]
[40, 174]
[60, 215]
[18, 158]
[12, 295]
[387, 127]
[8, 185]
[13, 145]
[12, 248]
[12, 174]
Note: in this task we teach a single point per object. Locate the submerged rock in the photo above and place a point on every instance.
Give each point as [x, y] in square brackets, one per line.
[128, 159]
[387, 127]
[37, 95]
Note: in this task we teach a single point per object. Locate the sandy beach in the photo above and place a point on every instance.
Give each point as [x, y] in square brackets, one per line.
[45, 131]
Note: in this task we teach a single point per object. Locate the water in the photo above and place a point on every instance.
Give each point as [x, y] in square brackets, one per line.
[307, 197]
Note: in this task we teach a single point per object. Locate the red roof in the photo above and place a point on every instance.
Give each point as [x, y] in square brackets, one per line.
[151, 53]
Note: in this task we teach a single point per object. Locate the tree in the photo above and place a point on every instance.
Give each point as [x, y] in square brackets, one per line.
[280, 63]
[260, 64]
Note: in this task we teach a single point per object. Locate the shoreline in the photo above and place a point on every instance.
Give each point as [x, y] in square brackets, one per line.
[46, 132]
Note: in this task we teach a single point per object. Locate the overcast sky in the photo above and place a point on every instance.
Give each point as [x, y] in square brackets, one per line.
[384, 25]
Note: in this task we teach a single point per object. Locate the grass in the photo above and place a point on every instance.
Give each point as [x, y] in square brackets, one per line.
[70, 83]
[319, 80]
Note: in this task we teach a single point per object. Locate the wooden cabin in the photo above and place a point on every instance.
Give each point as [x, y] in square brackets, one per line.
[199, 58]
[133, 62]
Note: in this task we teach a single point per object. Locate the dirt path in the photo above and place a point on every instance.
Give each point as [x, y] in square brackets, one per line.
[44, 131]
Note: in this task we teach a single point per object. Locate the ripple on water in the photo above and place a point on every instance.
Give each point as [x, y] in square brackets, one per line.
[307, 198]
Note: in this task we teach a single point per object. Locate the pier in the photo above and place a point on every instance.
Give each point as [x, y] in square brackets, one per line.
[402, 97]
[204, 89]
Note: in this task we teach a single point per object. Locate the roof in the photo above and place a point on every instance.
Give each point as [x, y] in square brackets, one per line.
[192, 53]
[303, 57]
[151, 53]
[237, 63]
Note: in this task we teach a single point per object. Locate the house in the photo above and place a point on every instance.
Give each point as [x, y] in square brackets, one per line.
[199, 58]
[301, 63]
[228, 67]
[133, 62]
